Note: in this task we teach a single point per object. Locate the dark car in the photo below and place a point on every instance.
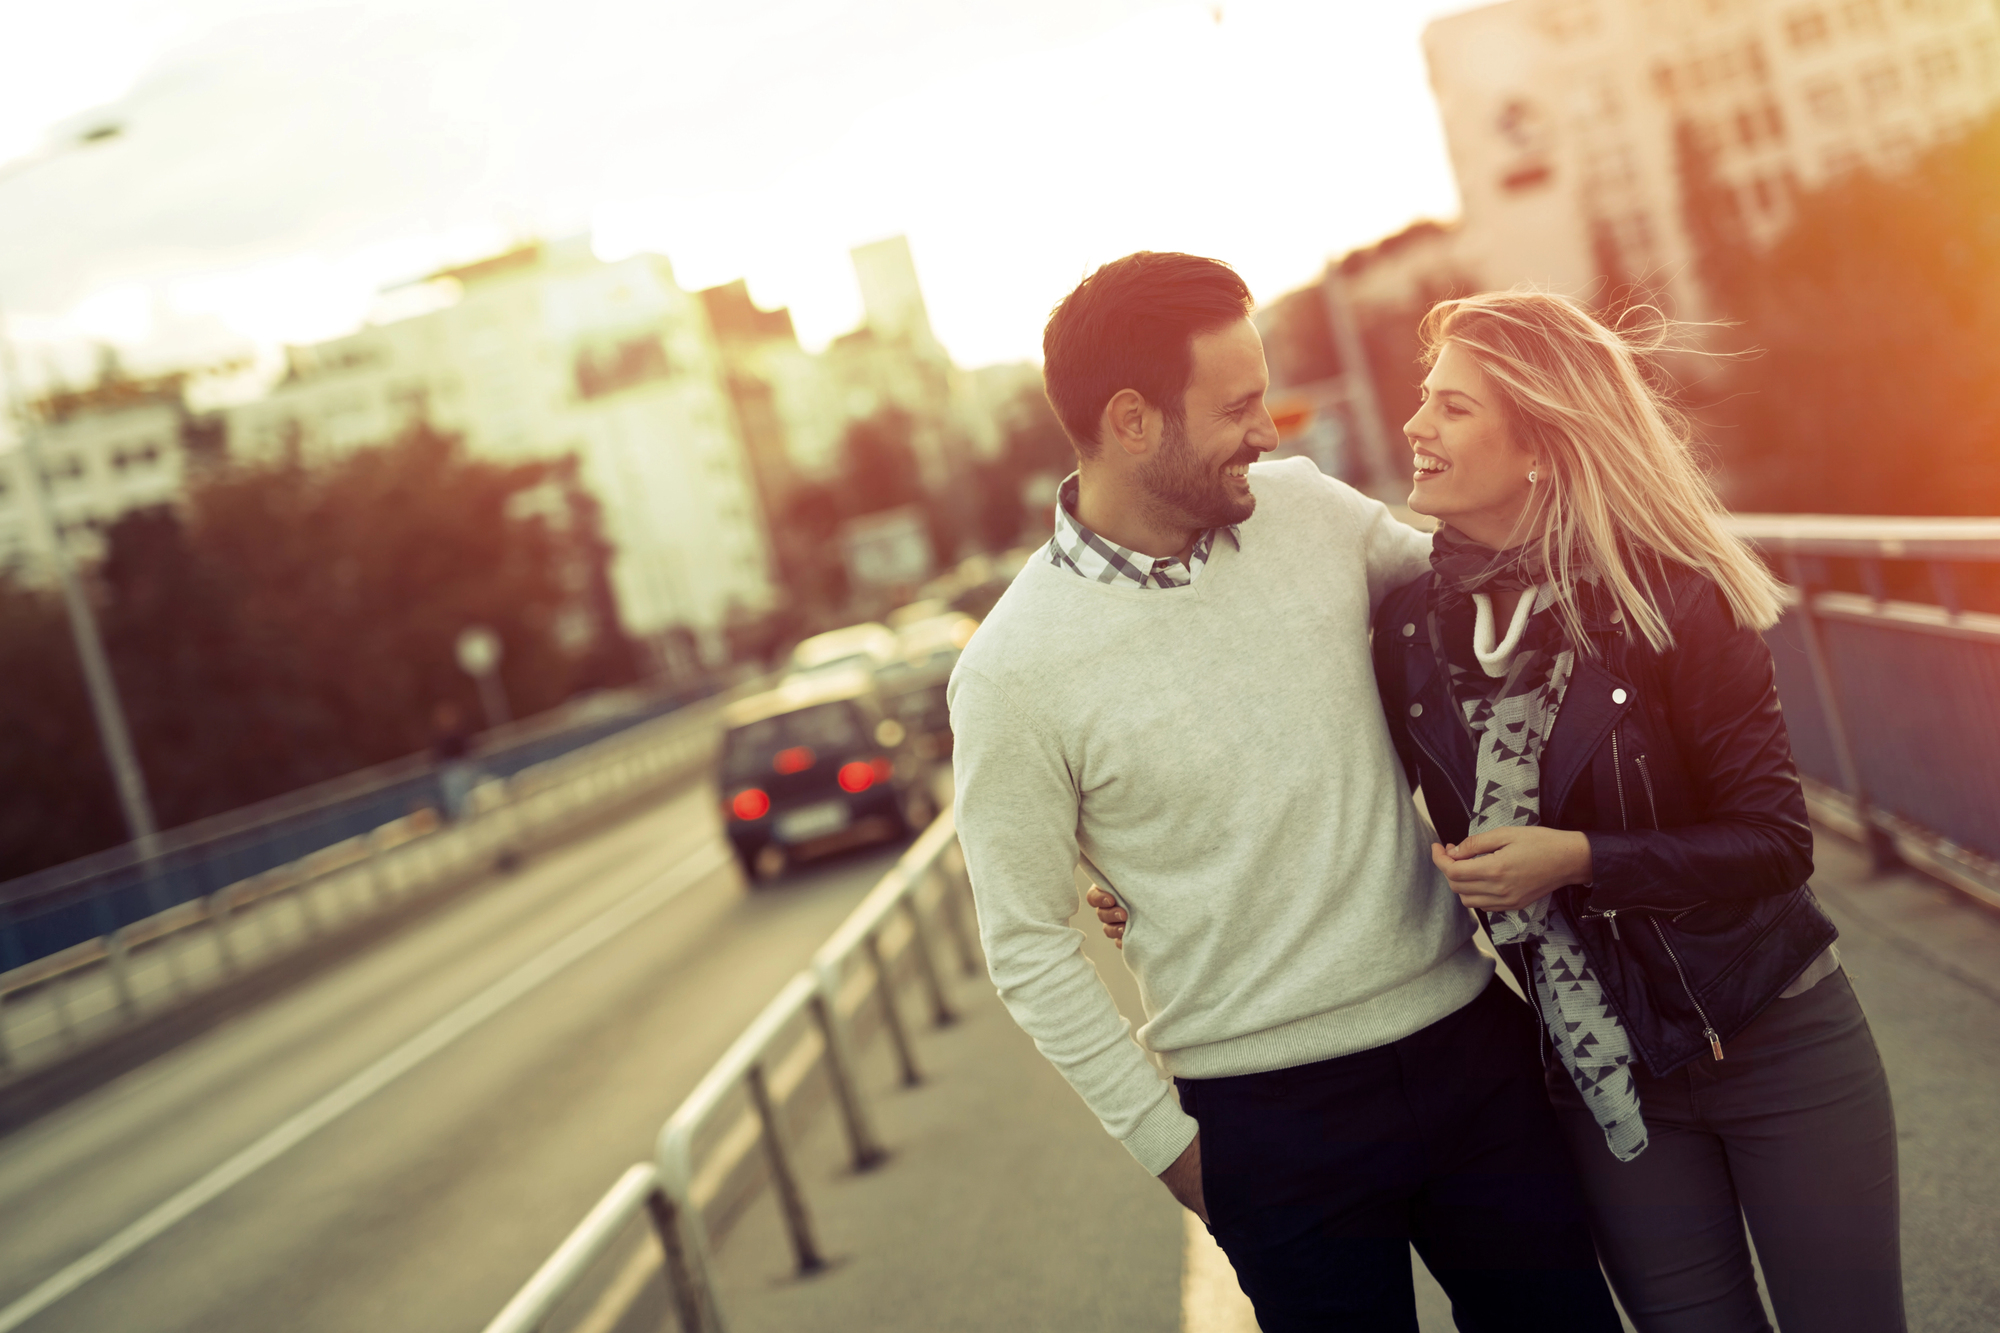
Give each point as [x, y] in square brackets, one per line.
[814, 766]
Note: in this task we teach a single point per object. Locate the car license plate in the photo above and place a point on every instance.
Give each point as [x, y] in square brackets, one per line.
[813, 821]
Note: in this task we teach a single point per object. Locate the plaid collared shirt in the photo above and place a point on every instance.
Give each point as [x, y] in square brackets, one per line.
[1078, 549]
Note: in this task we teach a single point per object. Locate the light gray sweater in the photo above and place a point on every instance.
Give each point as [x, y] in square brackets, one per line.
[1216, 754]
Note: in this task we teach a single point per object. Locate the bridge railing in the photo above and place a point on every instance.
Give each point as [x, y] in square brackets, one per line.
[105, 983]
[735, 1131]
[1893, 703]
[64, 905]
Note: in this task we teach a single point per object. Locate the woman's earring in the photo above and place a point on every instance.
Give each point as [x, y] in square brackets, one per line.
[1531, 476]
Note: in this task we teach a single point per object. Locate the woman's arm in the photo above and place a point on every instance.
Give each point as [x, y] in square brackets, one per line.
[1751, 838]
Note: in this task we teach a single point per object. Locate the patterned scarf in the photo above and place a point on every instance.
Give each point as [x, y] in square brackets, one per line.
[1509, 717]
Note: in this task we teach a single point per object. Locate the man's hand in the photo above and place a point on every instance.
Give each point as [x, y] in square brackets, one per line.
[1183, 1178]
[1505, 869]
[1109, 912]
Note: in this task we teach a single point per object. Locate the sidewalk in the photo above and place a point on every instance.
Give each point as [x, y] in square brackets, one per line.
[1005, 1207]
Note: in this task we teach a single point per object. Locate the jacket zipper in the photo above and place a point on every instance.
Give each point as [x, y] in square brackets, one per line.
[1707, 1028]
[1646, 778]
[1446, 773]
[1534, 994]
[1618, 780]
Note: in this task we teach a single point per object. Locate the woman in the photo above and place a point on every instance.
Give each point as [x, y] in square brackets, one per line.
[1581, 690]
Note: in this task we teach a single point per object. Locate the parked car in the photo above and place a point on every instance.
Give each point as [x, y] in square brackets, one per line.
[913, 687]
[867, 646]
[815, 766]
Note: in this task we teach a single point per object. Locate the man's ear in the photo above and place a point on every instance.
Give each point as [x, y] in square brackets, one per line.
[1124, 424]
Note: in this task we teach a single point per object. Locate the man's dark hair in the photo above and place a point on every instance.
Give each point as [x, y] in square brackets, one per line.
[1132, 325]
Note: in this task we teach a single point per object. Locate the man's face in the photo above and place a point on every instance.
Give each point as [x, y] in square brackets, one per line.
[1198, 477]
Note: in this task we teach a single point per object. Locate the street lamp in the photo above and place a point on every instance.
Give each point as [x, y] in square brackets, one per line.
[112, 732]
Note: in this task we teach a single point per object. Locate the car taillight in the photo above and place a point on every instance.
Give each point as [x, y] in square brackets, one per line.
[750, 803]
[795, 760]
[858, 775]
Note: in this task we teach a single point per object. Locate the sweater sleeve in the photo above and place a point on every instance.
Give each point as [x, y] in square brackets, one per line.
[1016, 810]
[1393, 551]
[1397, 552]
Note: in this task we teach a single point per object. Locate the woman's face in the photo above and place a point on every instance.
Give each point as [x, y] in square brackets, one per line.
[1469, 471]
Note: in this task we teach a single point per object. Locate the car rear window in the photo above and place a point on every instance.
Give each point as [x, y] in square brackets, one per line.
[824, 728]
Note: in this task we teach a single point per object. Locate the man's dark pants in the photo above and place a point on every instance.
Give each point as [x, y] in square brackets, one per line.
[1318, 1180]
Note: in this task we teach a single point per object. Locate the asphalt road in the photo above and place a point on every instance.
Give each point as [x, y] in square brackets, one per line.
[399, 1141]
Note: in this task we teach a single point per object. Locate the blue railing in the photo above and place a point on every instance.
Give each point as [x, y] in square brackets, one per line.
[1893, 702]
[64, 905]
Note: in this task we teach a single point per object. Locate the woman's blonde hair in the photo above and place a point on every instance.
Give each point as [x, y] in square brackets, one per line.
[1618, 479]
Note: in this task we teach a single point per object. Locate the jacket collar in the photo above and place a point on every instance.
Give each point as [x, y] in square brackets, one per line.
[1595, 701]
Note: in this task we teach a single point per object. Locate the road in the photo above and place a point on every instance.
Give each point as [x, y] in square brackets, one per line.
[455, 1110]
[402, 1138]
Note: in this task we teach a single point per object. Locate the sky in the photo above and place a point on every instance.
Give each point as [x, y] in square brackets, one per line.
[282, 163]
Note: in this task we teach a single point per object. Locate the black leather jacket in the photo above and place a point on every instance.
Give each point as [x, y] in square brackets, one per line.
[1678, 768]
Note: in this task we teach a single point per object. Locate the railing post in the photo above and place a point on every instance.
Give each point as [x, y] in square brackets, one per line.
[684, 1234]
[302, 895]
[1881, 848]
[1944, 581]
[687, 1295]
[864, 1148]
[118, 962]
[220, 904]
[892, 1017]
[941, 1012]
[784, 1177]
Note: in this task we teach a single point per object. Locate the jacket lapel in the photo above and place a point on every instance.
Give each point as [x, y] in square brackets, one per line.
[1591, 707]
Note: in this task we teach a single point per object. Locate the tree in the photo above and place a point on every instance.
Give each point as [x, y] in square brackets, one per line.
[878, 466]
[60, 801]
[292, 624]
[1871, 382]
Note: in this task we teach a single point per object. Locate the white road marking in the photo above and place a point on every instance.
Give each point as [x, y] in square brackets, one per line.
[670, 884]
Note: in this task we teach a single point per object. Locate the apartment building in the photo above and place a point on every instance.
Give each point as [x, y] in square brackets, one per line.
[546, 350]
[120, 445]
[1563, 118]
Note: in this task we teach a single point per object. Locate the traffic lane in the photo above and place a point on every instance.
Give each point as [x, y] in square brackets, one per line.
[425, 1206]
[331, 1234]
[81, 1173]
[1926, 965]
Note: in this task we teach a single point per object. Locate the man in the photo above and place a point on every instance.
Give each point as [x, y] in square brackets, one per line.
[1178, 690]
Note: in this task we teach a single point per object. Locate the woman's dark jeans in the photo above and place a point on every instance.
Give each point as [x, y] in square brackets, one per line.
[1792, 1132]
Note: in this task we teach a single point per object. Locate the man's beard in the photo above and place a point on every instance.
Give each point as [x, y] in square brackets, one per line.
[1182, 491]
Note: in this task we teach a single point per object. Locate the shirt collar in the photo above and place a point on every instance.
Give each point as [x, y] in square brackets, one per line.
[1081, 551]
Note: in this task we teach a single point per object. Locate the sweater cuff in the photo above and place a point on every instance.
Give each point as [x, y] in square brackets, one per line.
[1162, 1135]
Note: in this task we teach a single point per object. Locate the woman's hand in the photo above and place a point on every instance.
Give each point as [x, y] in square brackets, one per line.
[1505, 869]
[1110, 913]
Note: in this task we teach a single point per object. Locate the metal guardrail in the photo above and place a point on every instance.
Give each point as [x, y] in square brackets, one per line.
[333, 887]
[808, 1025]
[1893, 706]
[59, 906]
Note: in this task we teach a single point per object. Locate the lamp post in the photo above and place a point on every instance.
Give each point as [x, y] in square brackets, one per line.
[478, 650]
[112, 732]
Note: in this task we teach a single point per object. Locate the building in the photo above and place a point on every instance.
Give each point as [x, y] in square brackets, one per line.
[546, 350]
[121, 445]
[1342, 353]
[1564, 119]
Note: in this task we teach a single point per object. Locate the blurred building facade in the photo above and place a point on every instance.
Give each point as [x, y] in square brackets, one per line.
[1335, 348]
[1562, 118]
[123, 444]
[546, 350]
